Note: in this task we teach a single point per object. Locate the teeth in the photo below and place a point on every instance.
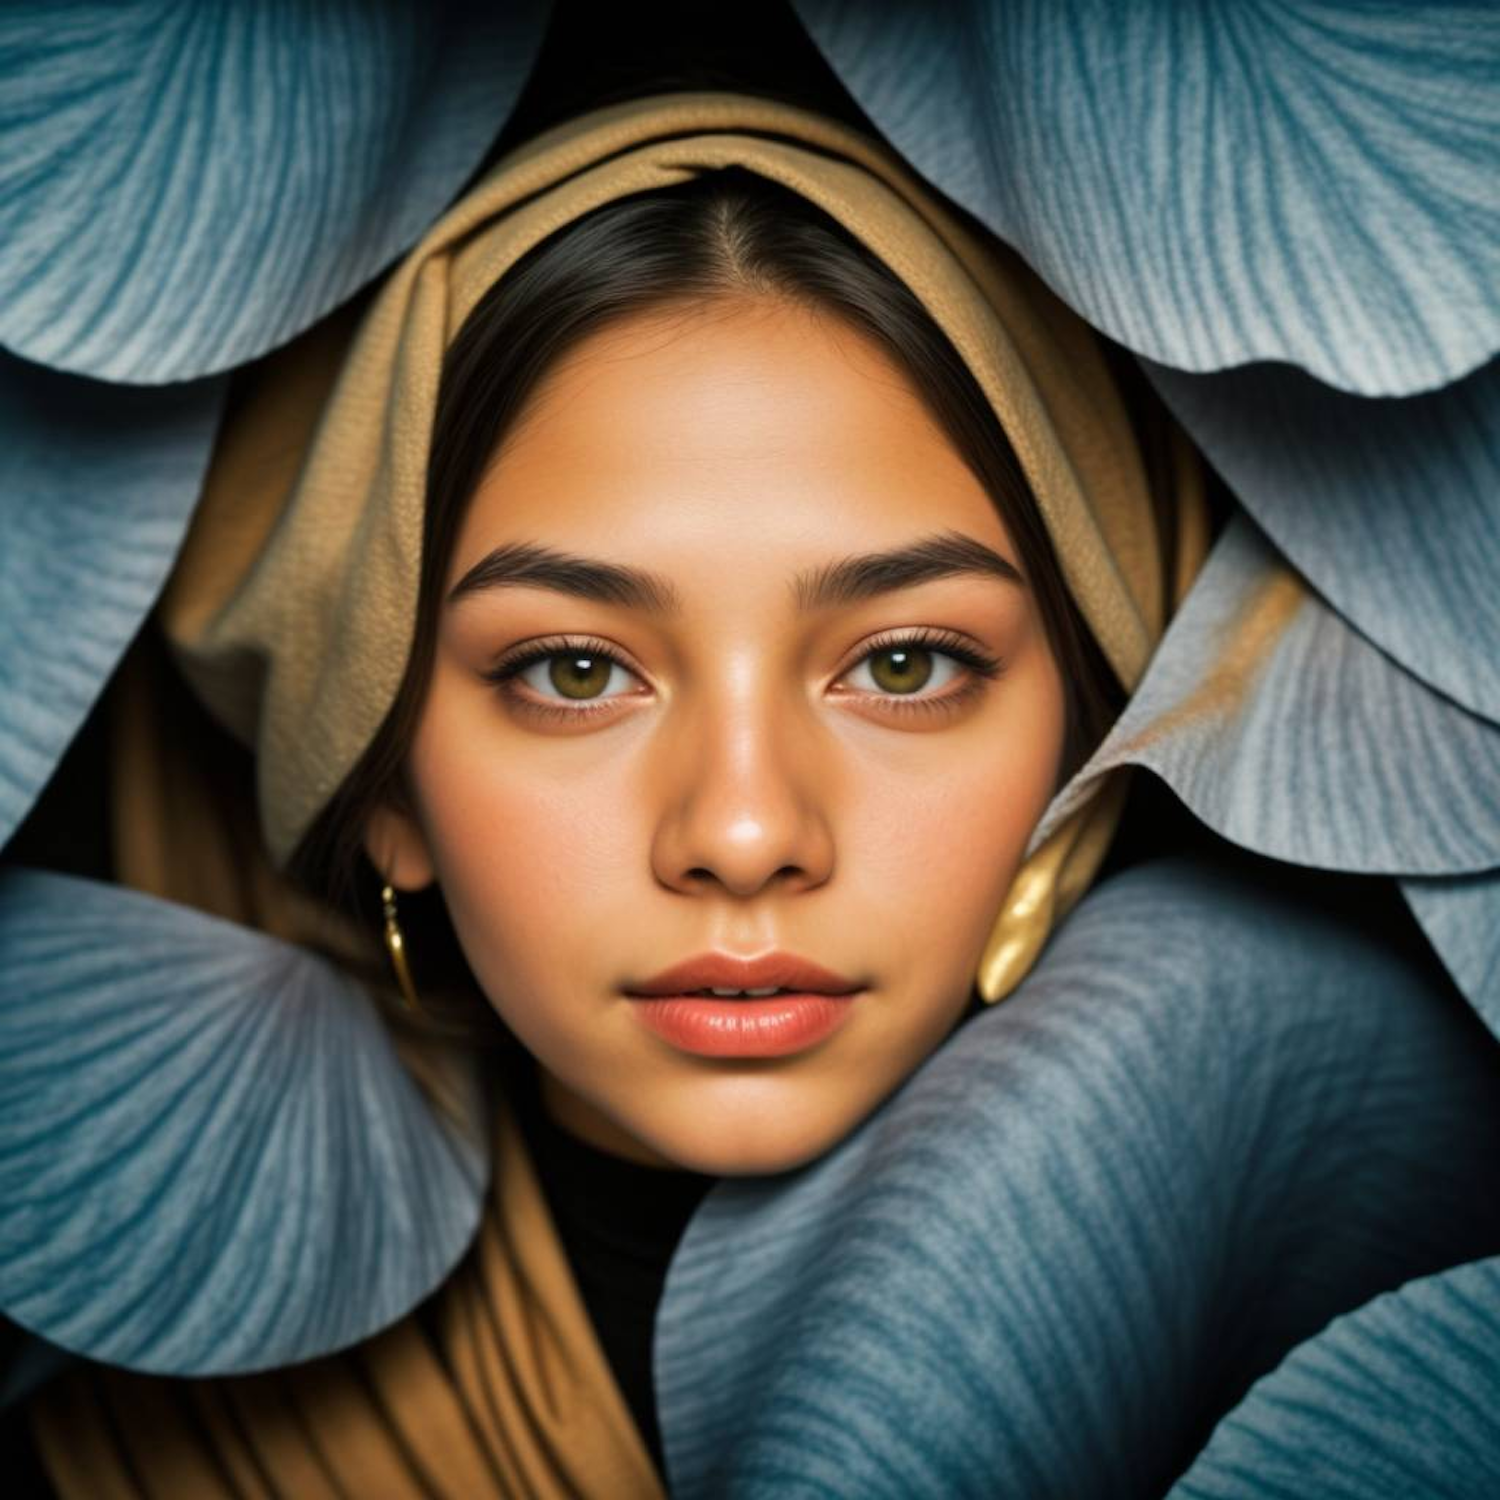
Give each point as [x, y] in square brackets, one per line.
[752, 994]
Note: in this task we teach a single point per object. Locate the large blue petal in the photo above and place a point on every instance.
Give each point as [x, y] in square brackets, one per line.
[211, 1159]
[1391, 508]
[1288, 733]
[1397, 1400]
[1311, 181]
[96, 487]
[1222, 1110]
[1461, 917]
[186, 186]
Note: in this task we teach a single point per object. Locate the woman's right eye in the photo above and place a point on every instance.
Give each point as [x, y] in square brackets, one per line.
[575, 676]
[562, 680]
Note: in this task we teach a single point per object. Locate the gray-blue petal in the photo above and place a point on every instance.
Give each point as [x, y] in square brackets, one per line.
[96, 487]
[1288, 733]
[211, 1159]
[1461, 917]
[1223, 1109]
[187, 186]
[1390, 507]
[1313, 181]
[1396, 1400]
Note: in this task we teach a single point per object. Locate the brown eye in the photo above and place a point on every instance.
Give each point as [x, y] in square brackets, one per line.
[565, 674]
[579, 676]
[900, 669]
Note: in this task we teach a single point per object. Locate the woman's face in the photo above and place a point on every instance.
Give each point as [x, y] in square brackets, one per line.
[740, 569]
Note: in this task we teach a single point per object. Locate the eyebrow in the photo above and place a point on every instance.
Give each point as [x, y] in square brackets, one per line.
[861, 576]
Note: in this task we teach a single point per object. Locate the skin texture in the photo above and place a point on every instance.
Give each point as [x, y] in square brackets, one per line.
[746, 779]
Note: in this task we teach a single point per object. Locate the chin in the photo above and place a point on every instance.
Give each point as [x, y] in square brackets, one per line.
[757, 1148]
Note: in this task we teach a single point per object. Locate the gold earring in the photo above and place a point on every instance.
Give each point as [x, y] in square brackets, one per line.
[395, 945]
[1045, 889]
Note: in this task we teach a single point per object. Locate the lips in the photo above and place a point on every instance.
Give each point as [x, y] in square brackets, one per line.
[724, 971]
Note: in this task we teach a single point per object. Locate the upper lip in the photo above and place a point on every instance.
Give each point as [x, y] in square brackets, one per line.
[723, 971]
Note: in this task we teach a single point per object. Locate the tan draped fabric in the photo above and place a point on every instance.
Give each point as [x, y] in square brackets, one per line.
[514, 1398]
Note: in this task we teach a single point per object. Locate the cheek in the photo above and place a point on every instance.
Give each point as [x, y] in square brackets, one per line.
[941, 843]
[527, 843]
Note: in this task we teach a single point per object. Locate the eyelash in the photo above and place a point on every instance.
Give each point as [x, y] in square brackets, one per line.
[980, 664]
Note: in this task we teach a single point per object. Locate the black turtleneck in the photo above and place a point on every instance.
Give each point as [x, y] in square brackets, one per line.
[619, 1222]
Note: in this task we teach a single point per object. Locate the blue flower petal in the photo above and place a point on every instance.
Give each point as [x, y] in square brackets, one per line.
[211, 1159]
[1217, 1114]
[96, 487]
[187, 186]
[1313, 181]
[1390, 507]
[1288, 733]
[1398, 1399]
[1461, 917]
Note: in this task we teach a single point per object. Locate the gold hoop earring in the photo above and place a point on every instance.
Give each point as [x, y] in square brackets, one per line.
[395, 945]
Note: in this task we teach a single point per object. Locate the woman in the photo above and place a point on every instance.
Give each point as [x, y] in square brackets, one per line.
[707, 560]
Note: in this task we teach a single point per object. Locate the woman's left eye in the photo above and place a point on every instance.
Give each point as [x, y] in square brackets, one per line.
[907, 673]
[907, 669]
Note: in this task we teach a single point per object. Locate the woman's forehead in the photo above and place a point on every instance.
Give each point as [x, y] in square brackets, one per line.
[725, 435]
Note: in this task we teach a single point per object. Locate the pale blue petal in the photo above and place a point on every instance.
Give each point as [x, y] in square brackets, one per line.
[1461, 917]
[1398, 1400]
[211, 1159]
[96, 487]
[1224, 1109]
[1390, 507]
[1288, 733]
[1313, 181]
[187, 186]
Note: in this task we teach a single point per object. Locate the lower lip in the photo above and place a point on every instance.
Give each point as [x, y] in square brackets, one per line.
[774, 1026]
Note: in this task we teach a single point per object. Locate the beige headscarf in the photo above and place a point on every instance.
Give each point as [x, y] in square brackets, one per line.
[294, 604]
[291, 612]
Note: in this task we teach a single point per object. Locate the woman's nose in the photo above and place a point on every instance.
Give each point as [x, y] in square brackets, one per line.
[745, 800]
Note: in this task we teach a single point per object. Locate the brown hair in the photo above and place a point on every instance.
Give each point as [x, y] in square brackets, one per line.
[723, 234]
